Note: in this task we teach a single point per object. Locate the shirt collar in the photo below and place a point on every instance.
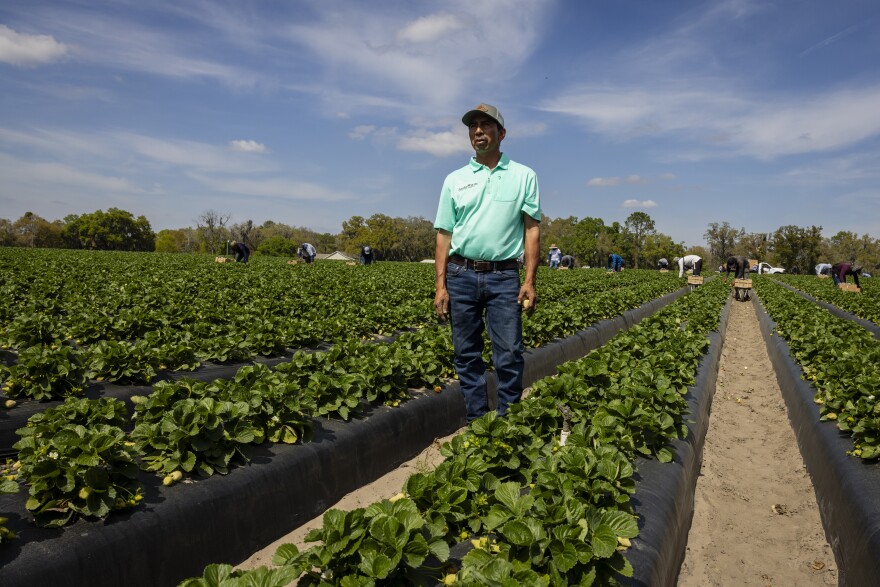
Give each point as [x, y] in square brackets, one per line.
[503, 163]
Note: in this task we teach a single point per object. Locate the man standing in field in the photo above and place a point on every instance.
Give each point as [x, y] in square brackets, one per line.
[488, 215]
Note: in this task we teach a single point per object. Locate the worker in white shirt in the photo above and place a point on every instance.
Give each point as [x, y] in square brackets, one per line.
[694, 262]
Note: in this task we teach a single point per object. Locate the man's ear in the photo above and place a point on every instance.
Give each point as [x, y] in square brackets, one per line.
[502, 133]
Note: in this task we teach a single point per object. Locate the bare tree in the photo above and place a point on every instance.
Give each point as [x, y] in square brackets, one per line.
[247, 233]
[211, 228]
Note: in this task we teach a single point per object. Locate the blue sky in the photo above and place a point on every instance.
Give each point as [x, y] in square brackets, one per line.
[760, 113]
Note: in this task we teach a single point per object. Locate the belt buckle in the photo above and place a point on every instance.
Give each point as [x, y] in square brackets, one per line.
[483, 265]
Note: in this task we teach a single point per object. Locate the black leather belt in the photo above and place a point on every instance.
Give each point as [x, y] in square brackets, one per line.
[484, 265]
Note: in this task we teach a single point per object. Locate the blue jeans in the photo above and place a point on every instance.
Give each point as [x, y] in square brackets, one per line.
[554, 264]
[478, 300]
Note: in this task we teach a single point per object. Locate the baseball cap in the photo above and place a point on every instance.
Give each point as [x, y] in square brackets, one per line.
[486, 109]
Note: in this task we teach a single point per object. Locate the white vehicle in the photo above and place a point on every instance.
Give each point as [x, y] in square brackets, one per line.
[768, 268]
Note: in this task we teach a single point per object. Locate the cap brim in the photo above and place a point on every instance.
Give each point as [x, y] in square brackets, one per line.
[466, 119]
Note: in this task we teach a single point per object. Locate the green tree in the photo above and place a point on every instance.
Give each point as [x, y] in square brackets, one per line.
[180, 240]
[755, 245]
[637, 228]
[797, 249]
[278, 246]
[849, 246]
[32, 230]
[661, 246]
[721, 239]
[114, 230]
[418, 239]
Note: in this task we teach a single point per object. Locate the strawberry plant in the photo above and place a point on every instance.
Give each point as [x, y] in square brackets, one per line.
[385, 542]
[8, 484]
[192, 434]
[45, 372]
[78, 461]
[121, 361]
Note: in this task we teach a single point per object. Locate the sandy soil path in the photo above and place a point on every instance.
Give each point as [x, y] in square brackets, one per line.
[756, 521]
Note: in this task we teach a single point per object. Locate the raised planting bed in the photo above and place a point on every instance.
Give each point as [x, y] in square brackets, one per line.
[847, 487]
[182, 528]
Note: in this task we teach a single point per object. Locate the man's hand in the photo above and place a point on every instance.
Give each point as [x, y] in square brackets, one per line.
[527, 298]
[441, 303]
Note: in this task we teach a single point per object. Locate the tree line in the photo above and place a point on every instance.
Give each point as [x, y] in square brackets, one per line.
[589, 240]
[795, 248]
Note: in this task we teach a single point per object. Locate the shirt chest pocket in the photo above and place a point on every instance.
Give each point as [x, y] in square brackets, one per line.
[502, 191]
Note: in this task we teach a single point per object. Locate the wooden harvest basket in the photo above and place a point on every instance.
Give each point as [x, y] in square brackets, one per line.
[742, 283]
[695, 280]
[850, 287]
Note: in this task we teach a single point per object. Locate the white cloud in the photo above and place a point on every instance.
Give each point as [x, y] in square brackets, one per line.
[36, 173]
[441, 144]
[246, 146]
[428, 62]
[28, 50]
[429, 28]
[614, 181]
[362, 131]
[639, 204]
[277, 187]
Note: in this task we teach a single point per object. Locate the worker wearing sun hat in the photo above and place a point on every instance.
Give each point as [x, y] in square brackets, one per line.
[554, 256]
[488, 215]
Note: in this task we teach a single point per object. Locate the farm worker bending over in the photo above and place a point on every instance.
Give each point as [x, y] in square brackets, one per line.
[662, 263]
[738, 264]
[839, 271]
[366, 255]
[488, 215]
[688, 262]
[554, 257]
[567, 262]
[823, 268]
[241, 251]
[615, 262]
[307, 252]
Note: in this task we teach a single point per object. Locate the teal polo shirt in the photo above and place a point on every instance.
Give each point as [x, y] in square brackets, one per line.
[483, 209]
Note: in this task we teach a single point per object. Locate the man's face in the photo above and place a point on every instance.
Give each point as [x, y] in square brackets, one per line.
[484, 134]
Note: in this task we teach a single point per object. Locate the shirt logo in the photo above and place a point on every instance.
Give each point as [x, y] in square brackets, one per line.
[468, 186]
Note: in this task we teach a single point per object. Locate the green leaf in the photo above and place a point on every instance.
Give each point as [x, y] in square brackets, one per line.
[518, 533]
[376, 565]
[285, 555]
[604, 541]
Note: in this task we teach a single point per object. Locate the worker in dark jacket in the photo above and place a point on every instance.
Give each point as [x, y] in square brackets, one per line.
[241, 251]
[740, 265]
[567, 262]
[366, 255]
[662, 263]
[839, 271]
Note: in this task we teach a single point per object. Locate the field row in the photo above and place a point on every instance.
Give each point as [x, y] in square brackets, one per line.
[865, 305]
[838, 357]
[71, 317]
[526, 504]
